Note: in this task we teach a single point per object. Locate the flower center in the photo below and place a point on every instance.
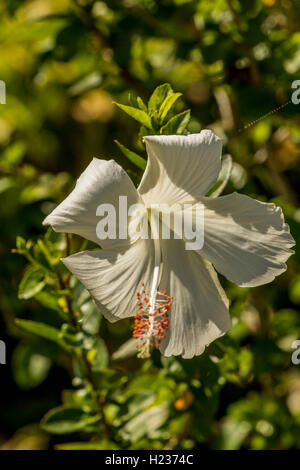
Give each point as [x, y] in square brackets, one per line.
[151, 320]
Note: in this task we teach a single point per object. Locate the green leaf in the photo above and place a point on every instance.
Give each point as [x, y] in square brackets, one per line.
[144, 132]
[81, 398]
[167, 104]
[294, 290]
[71, 336]
[137, 114]
[145, 423]
[29, 367]
[21, 243]
[86, 83]
[66, 420]
[13, 155]
[136, 403]
[128, 349]
[109, 379]
[42, 330]
[133, 157]
[158, 96]
[102, 445]
[233, 433]
[33, 282]
[43, 256]
[91, 317]
[245, 363]
[49, 298]
[223, 178]
[176, 124]
[79, 293]
[132, 100]
[98, 356]
[141, 104]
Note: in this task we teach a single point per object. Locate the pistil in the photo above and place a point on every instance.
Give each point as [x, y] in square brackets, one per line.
[151, 320]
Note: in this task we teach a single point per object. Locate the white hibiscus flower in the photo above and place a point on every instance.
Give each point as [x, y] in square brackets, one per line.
[181, 307]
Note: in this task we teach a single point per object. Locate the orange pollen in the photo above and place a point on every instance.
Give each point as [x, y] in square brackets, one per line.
[151, 321]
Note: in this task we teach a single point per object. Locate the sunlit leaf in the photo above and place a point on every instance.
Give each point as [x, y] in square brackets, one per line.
[42, 330]
[137, 114]
[176, 124]
[102, 445]
[145, 423]
[132, 156]
[66, 420]
[158, 96]
[98, 356]
[32, 282]
[141, 104]
[167, 105]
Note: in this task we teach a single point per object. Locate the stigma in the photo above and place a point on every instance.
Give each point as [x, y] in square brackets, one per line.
[151, 320]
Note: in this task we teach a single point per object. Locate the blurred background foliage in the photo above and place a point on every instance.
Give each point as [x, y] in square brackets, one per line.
[64, 62]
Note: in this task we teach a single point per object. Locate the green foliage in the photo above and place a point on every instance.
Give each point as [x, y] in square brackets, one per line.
[225, 65]
[32, 283]
[154, 116]
[44, 331]
[177, 124]
[66, 420]
[132, 156]
[138, 114]
[31, 364]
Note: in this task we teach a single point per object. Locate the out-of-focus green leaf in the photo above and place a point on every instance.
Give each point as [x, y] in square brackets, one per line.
[91, 317]
[127, 349]
[49, 298]
[137, 402]
[102, 445]
[42, 330]
[81, 398]
[13, 155]
[98, 355]
[71, 336]
[294, 290]
[66, 420]
[33, 282]
[133, 100]
[30, 368]
[21, 244]
[233, 434]
[109, 379]
[145, 423]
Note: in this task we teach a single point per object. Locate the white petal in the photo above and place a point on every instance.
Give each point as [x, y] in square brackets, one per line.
[113, 278]
[180, 168]
[246, 240]
[199, 313]
[102, 182]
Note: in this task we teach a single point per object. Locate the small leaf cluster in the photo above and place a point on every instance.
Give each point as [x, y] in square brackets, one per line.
[157, 117]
